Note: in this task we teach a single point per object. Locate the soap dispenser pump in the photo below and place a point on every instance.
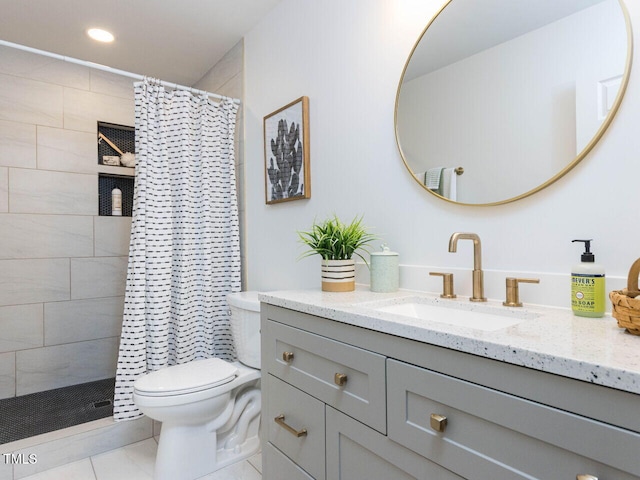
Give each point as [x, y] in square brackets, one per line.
[587, 285]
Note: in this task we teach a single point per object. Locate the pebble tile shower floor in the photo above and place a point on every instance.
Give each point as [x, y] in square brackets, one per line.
[42, 412]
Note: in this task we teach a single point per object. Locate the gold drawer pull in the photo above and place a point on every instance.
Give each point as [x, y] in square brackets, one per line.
[438, 422]
[287, 356]
[586, 477]
[298, 433]
[340, 379]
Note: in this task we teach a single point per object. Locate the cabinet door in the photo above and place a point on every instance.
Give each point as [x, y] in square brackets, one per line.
[295, 425]
[277, 466]
[495, 436]
[356, 452]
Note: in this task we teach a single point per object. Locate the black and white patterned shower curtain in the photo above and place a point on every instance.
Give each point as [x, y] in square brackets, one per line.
[184, 254]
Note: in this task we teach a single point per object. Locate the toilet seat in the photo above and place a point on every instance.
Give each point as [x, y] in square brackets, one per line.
[186, 378]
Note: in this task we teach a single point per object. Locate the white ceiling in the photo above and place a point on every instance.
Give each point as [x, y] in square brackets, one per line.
[174, 40]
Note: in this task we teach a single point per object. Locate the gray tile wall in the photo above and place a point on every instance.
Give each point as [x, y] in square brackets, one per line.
[62, 267]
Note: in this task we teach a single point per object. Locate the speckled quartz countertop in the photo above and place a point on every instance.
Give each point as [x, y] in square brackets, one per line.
[548, 339]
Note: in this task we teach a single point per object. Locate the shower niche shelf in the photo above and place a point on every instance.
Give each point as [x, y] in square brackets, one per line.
[106, 183]
[111, 174]
[111, 138]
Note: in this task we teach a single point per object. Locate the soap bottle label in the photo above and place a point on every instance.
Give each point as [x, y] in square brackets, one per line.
[588, 293]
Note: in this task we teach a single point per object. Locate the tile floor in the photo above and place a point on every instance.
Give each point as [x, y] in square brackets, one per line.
[135, 462]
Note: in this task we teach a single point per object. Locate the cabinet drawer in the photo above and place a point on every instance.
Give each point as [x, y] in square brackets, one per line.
[276, 465]
[493, 435]
[296, 411]
[356, 452]
[311, 363]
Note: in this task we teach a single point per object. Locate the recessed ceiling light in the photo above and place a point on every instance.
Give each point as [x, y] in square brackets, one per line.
[100, 35]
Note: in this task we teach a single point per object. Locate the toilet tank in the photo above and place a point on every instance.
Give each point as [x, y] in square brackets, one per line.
[245, 326]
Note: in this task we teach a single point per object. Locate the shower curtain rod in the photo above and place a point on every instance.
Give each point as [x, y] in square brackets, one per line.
[104, 68]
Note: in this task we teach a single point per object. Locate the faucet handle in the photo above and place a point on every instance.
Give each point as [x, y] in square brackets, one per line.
[447, 284]
[513, 299]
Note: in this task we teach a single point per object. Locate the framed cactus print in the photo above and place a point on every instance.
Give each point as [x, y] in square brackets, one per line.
[286, 153]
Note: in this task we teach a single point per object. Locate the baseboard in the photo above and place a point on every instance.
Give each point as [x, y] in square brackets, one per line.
[42, 452]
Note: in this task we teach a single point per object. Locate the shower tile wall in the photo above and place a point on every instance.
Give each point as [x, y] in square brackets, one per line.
[62, 267]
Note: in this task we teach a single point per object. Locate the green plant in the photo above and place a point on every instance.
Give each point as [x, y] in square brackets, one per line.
[334, 240]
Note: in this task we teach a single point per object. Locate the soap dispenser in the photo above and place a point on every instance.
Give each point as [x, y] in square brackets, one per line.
[587, 285]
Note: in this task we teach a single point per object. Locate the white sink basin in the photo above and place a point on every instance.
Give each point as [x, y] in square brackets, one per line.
[478, 316]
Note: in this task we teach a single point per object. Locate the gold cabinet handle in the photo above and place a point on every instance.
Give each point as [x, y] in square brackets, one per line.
[438, 422]
[297, 433]
[447, 284]
[340, 379]
[287, 356]
[586, 477]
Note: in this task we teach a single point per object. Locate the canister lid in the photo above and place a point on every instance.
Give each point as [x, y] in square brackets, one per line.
[385, 251]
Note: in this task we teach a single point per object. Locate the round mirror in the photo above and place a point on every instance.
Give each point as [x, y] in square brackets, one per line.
[500, 98]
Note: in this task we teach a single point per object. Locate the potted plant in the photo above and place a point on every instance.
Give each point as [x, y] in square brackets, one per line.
[336, 243]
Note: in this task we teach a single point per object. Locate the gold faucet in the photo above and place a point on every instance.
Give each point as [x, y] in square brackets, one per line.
[478, 282]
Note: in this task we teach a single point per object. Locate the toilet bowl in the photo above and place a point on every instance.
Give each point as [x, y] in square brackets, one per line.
[209, 409]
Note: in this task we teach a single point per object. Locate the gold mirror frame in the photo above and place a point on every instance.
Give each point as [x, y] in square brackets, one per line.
[598, 135]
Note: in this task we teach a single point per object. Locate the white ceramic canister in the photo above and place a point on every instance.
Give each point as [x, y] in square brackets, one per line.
[385, 276]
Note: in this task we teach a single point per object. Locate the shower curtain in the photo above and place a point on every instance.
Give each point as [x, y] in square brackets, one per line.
[184, 252]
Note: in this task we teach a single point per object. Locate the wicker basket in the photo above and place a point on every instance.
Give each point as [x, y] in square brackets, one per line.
[626, 307]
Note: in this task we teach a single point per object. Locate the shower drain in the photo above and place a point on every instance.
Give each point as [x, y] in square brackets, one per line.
[102, 404]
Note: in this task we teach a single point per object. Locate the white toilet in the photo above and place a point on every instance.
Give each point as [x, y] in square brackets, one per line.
[209, 409]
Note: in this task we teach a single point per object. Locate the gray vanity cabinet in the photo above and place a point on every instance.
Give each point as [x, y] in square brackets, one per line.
[345, 403]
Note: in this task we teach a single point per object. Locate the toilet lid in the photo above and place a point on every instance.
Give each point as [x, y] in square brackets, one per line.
[186, 378]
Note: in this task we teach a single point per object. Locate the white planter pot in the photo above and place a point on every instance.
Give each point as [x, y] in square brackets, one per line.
[338, 275]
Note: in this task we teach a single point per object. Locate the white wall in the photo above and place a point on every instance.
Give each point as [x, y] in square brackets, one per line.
[348, 57]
